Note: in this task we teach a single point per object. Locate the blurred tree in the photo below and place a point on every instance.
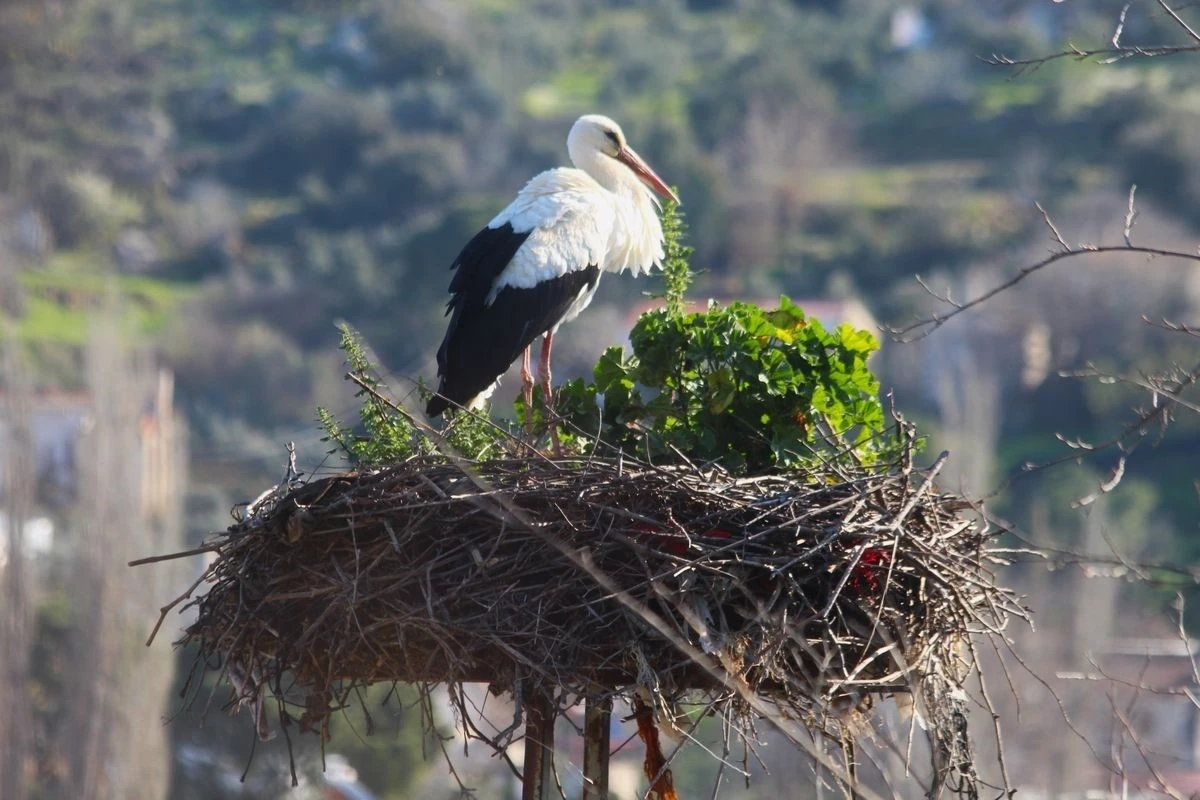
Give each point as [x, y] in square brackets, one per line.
[18, 771]
[319, 134]
[109, 735]
[419, 41]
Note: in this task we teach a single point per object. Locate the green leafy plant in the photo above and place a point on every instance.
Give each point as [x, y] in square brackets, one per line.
[752, 389]
[677, 257]
[476, 436]
[387, 434]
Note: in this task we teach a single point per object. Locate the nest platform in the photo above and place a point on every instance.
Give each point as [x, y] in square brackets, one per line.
[800, 593]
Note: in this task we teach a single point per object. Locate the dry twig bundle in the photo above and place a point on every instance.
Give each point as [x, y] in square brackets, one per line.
[804, 594]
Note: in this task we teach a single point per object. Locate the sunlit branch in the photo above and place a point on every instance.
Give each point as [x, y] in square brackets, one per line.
[922, 328]
[1115, 51]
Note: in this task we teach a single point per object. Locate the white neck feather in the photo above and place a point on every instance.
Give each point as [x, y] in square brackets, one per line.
[637, 240]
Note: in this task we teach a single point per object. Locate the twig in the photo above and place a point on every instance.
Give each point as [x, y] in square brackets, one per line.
[162, 612]
[1130, 215]
[1116, 51]
[1058, 237]
[195, 551]
[1116, 37]
[1110, 55]
[1180, 21]
[922, 328]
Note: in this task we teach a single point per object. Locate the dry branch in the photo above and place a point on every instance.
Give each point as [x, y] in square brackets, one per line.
[1117, 51]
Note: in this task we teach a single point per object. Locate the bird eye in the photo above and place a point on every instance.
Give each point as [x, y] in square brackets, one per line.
[612, 137]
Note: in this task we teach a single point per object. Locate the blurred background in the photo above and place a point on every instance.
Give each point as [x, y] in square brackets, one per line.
[193, 192]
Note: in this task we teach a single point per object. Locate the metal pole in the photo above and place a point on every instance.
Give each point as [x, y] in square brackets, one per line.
[597, 716]
[537, 779]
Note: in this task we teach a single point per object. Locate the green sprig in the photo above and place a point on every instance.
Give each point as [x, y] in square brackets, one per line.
[677, 269]
[386, 435]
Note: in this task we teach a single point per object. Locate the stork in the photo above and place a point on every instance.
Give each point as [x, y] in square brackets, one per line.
[538, 263]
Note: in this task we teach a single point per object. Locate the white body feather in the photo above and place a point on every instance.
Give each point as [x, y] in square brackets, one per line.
[574, 222]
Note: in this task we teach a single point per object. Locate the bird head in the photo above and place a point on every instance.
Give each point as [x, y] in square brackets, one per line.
[595, 136]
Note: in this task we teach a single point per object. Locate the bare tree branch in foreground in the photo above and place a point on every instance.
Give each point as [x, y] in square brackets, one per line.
[920, 329]
[1116, 51]
[1168, 391]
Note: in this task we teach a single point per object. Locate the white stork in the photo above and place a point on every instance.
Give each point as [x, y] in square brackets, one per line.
[537, 264]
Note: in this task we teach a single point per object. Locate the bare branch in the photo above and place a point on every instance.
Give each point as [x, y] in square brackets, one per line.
[1058, 237]
[1195, 37]
[1167, 396]
[1114, 479]
[1116, 38]
[1115, 51]
[1170, 385]
[1161, 784]
[922, 328]
[1174, 327]
[1108, 55]
[1130, 215]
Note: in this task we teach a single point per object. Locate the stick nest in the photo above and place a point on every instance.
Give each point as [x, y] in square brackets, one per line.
[802, 593]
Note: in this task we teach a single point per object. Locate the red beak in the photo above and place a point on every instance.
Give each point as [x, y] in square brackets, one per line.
[627, 156]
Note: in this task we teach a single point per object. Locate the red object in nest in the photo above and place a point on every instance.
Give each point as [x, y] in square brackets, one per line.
[866, 577]
[675, 544]
[662, 785]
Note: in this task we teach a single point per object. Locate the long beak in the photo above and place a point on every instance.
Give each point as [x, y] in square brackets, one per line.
[627, 156]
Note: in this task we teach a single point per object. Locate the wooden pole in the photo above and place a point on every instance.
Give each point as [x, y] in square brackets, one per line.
[537, 779]
[597, 717]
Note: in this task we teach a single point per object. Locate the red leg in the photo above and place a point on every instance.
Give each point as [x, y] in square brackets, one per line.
[527, 386]
[547, 391]
[544, 370]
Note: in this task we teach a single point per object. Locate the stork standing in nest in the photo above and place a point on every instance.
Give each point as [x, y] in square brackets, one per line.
[538, 263]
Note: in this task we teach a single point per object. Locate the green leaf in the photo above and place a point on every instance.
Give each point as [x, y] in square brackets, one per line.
[611, 368]
[722, 387]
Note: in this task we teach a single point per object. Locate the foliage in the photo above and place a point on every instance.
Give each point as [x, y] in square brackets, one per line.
[473, 435]
[387, 434]
[753, 389]
[676, 267]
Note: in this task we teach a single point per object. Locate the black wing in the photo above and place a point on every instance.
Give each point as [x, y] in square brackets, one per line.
[483, 340]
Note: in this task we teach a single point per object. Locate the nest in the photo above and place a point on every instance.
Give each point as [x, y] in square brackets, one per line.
[798, 596]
